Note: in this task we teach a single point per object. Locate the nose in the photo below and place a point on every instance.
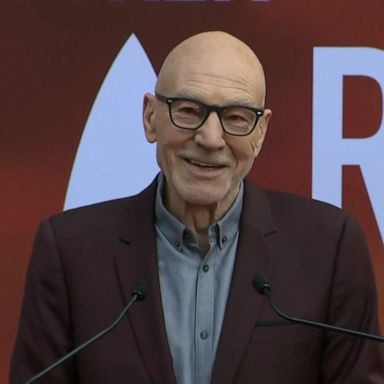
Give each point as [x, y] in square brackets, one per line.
[211, 135]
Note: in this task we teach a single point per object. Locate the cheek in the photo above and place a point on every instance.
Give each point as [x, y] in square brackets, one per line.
[244, 157]
[244, 152]
[163, 119]
[164, 132]
[168, 144]
[255, 144]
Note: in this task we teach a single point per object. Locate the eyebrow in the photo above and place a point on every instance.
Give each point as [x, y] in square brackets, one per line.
[238, 102]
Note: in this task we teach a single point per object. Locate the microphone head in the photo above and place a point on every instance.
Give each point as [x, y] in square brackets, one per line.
[260, 283]
[140, 290]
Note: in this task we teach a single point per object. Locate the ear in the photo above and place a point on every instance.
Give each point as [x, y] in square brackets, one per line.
[148, 118]
[261, 131]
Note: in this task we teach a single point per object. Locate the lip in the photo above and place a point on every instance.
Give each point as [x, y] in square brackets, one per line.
[204, 164]
[204, 169]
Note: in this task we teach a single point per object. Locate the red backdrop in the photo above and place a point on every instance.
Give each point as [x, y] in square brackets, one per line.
[55, 55]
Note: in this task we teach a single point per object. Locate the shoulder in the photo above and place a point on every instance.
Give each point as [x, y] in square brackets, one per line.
[300, 214]
[284, 203]
[287, 203]
[108, 213]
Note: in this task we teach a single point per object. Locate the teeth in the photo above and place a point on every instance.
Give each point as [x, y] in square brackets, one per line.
[203, 164]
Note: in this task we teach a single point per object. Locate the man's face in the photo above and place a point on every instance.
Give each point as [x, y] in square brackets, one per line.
[206, 166]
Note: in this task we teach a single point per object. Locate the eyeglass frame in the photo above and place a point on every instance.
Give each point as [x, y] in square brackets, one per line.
[210, 108]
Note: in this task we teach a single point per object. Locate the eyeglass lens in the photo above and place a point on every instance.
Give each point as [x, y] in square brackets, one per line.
[190, 114]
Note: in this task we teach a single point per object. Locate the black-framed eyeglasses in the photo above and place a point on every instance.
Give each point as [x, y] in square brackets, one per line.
[236, 120]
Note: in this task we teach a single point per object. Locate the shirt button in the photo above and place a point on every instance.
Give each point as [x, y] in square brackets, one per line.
[206, 268]
[224, 239]
[204, 335]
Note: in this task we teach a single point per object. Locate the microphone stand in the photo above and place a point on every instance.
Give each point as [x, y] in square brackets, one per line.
[138, 294]
[262, 286]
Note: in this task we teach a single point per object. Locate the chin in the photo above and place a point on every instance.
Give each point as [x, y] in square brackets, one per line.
[202, 195]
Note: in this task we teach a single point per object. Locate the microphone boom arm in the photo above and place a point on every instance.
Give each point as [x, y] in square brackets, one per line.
[138, 294]
[315, 324]
[262, 286]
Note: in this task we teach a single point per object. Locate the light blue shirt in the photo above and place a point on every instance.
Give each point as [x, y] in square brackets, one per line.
[194, 287]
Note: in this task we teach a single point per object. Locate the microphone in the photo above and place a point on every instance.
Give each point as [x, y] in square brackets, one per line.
[138, 294]
[261, 284]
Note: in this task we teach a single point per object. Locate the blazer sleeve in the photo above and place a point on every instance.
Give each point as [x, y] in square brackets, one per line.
[353, 304]
[44, 333]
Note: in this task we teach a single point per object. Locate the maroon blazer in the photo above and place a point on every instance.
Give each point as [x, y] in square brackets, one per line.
[85, 262]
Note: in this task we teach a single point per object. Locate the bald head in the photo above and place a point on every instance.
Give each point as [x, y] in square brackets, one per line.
[217, 54]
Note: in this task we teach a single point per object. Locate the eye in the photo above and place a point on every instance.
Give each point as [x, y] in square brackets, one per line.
[186, 107]
[235, 118]
[238, 116]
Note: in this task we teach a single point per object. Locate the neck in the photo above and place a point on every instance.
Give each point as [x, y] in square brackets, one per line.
[196, 217]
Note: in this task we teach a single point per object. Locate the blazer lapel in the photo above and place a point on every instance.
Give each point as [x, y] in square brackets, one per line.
[138, 260]
[244, 304]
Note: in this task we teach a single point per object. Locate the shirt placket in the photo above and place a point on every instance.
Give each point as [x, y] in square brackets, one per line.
[205, 316]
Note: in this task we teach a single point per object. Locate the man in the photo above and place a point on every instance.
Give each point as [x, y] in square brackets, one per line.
[197, 236]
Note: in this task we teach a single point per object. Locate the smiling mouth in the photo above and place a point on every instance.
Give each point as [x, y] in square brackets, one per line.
[204, 165]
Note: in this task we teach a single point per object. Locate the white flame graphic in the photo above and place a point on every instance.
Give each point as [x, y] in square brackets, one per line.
[113, 159]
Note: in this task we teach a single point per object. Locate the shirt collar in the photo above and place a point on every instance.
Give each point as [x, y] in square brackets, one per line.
[176, 232]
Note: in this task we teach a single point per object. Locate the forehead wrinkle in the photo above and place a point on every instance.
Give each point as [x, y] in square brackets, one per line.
[200, 89]
[184, 72]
